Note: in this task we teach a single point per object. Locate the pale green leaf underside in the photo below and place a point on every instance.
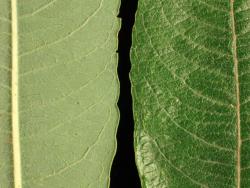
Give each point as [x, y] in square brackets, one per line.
[190, 82]
[68, 91]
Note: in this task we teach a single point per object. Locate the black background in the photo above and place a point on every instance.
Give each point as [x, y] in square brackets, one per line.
[124, 173]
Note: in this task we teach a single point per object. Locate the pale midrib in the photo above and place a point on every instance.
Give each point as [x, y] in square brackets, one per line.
[237, 84]
[14, 98]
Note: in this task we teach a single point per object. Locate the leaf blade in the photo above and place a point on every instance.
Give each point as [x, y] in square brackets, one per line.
[68, 92]
[184, 77]
[5, 107]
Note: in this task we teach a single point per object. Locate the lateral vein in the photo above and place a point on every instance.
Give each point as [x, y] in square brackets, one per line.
[237, 85]
[14, 98]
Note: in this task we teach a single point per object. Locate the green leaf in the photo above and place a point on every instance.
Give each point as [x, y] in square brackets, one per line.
[58, 92]
[190, 77]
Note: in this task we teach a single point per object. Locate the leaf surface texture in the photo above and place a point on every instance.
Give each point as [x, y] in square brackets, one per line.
[67, 92]
[190, 84]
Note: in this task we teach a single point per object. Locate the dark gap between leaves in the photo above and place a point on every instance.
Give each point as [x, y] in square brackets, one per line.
[124, 173]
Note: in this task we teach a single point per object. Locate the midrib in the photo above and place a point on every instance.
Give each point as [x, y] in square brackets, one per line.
[237, 84]
[14, 97]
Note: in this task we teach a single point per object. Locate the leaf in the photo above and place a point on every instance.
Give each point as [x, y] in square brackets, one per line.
[190, 77]
[58, 92]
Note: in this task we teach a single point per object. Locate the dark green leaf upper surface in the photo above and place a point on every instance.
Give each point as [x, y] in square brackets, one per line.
[190, 83]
